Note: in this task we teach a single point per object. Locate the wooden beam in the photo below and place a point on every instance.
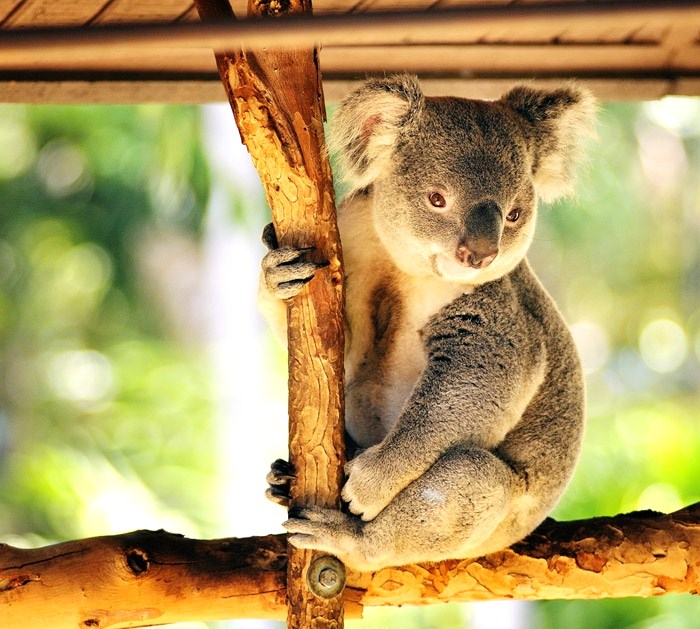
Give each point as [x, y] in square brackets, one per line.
[146, 578]
[457, 25]
[475, 59]
[488, 59]
[66, 90]
[277, 100]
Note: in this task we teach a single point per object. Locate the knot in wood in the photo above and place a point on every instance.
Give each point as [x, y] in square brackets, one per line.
[272, 8]
[137, 560]
[326, 577]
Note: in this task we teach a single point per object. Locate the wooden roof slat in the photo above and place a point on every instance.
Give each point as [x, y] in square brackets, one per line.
[328, 7]
[119, 11]
[524, 61]
[607, 35]
[444, 4]
[189, 16]
[36, 13]
[7, 7]
[195, 62]
[649, 32]
[686, 60]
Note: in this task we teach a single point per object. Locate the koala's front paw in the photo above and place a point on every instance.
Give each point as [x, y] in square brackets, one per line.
[286, 269]
[328, 530]
[369, 487]
[279, 477]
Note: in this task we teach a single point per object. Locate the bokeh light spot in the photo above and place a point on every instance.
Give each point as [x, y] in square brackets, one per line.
[63, 168]
[662, 156]
[663, 345]
[660, 497]
[677, 114]
[593, 344]
[82, 376]
[19, 148]
[87, 268]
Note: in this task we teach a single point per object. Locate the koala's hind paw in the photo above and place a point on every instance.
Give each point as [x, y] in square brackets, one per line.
[286, 271]
[279, 477]
[369, 488]
[328, 530]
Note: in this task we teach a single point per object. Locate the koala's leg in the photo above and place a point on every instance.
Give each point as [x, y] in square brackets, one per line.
[448, 512]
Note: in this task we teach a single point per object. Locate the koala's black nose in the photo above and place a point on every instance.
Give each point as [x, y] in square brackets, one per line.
[478, 258]
[483, 224]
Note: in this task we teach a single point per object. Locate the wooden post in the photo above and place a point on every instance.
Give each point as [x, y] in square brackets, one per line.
[277, 100]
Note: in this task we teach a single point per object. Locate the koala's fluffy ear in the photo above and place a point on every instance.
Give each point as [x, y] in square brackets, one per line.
[561, 120]
[367, 122]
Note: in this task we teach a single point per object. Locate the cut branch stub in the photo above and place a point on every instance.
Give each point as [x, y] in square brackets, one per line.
[277, 100]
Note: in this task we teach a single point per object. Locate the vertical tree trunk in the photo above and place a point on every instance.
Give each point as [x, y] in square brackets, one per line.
[277, 100]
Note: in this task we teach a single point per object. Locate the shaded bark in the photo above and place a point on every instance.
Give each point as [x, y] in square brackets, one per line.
[147, 578]
[277, 100]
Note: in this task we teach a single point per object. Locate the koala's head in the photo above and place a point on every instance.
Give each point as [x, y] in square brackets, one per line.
[454, 181]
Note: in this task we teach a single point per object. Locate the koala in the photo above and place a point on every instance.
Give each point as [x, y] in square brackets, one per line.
[464, 394]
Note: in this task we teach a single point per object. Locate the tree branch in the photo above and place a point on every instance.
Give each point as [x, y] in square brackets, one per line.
[146, 578]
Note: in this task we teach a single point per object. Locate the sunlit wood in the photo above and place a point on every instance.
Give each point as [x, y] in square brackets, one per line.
[146, 578]
[277, 100]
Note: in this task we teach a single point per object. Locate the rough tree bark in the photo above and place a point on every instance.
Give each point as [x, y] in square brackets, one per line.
[148, 578]
[277, 100]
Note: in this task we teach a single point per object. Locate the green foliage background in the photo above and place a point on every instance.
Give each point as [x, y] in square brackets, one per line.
[105, 411]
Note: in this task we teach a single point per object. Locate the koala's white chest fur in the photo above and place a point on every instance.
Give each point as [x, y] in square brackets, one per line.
[386, 311]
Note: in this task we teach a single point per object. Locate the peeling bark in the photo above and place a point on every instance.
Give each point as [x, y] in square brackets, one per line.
[148, 578]
[639, 554]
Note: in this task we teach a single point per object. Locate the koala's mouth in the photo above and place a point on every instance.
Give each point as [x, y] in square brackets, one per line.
[448, 268]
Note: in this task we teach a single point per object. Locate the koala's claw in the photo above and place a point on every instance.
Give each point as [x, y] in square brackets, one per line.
[281, 472]
[286, 271]
[278, 495]
[328, 530]
[269, 237]
[279, 477]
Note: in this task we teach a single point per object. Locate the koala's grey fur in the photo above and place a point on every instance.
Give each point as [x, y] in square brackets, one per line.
[464, 388]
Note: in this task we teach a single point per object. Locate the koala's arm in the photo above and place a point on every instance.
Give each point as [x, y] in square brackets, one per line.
[484, 366]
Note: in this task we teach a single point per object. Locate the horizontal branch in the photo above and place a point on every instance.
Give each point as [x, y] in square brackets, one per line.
[457, 25]
[145, 578]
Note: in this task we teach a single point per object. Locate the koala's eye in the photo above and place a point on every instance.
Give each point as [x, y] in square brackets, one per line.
[437, 200]
[513, 216]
